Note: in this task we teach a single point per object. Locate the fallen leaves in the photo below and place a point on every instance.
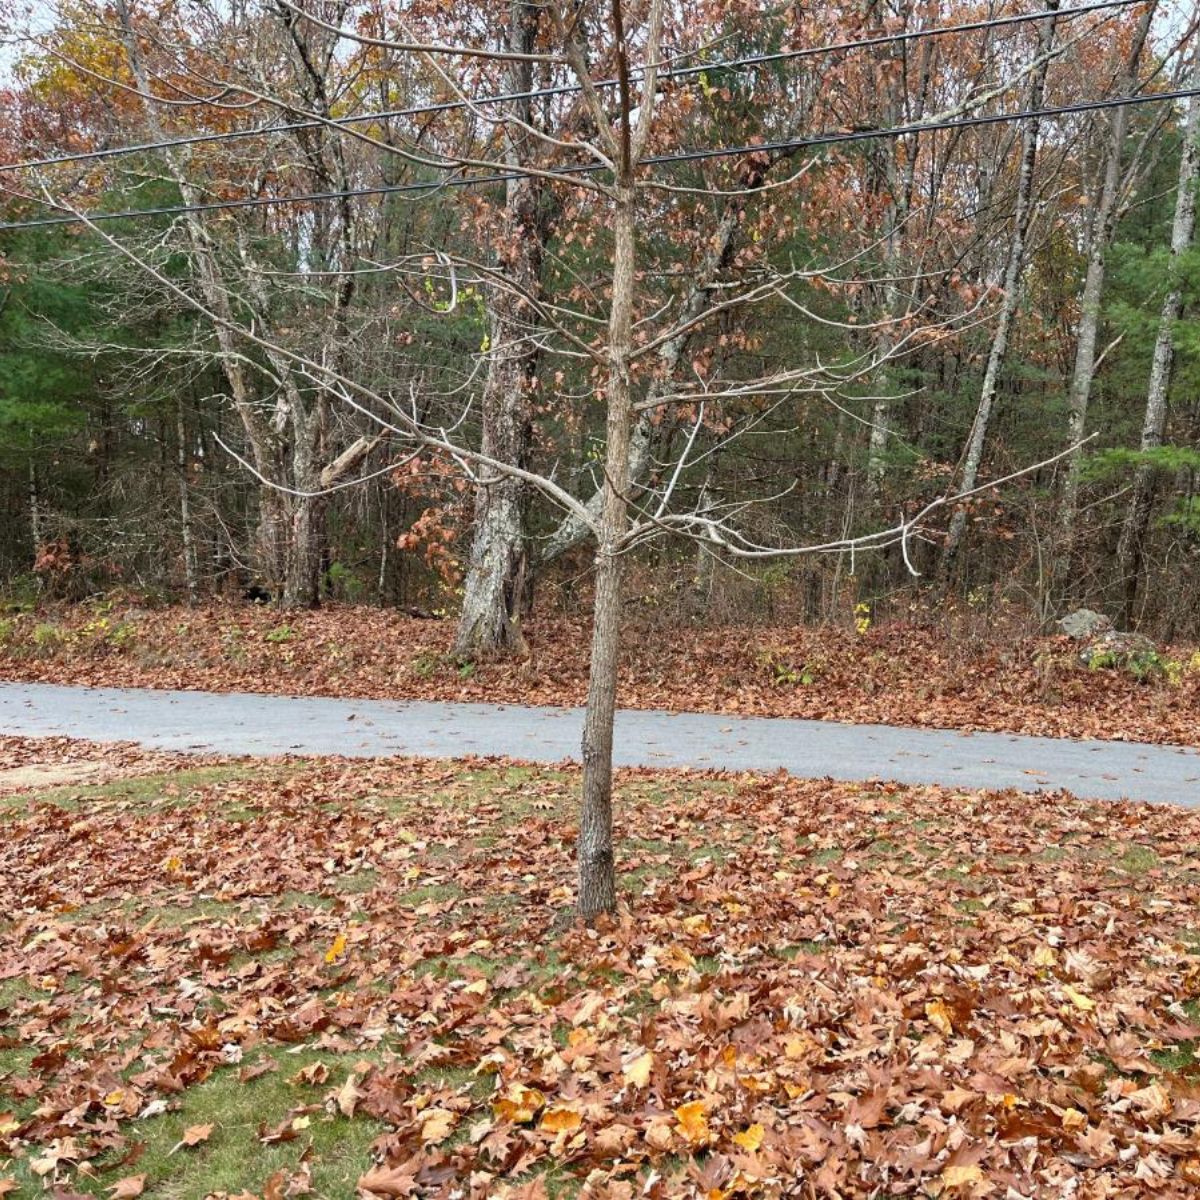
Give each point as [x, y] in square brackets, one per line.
[561, 1119]
[881, 990]
[692, 1122]
[896, 673]
[436, 1125]
[751, 1138]
[519, 1104]
[128, 1188]
[194, 1135]
[637, 1073]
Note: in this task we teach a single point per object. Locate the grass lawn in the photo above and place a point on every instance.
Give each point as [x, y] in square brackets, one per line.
[360, 979]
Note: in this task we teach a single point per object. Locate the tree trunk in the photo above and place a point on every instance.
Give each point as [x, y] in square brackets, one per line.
[490, 621]
[1089, 319]
[302, 585]
[1012, 290]
[272, 538]
[35, 507]
[597, 878]
[185, 508]
[308, 540]
[1131, 547]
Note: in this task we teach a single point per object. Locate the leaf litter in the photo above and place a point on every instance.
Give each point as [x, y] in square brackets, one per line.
[896, 673]
[810, 988]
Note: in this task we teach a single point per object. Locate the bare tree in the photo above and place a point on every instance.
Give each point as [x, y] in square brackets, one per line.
[1010, 294]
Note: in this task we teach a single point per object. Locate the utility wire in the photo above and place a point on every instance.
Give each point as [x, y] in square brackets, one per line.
[669, 74]
[699, 155]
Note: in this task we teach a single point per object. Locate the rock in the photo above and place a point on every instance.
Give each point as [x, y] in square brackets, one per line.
[1083, 623]
[1132, 652]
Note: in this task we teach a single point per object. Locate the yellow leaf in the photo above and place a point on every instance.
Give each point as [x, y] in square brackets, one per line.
[519, 1104]
[337, 949]
[299, 1124]
[437, 1126]
[939, 1017]
[751, 1138]
[637, 1073]
[114, 1098]
[693, 1123]
[961, 1176]
[1044, 956]
[478, 988]
[173, 864]
[1078, 999]
[1073, 1119]
[560, 1120]
[348, 1096]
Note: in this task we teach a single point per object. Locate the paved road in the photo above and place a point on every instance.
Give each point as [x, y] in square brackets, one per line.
[241, 723]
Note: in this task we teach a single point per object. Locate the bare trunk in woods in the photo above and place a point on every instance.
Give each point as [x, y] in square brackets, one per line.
[1131, 547]
[493, 592]
[306, 512]
[35, 509]
[1084, 370]
[1008, 307]
[185, 509]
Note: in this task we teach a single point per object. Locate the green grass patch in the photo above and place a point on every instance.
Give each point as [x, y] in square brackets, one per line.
[234, 1159]
[143, 791]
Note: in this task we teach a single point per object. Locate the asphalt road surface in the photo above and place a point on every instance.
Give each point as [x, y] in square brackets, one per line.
[242, 723]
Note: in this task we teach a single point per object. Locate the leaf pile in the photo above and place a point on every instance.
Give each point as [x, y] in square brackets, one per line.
[892, 674]
[810, 989]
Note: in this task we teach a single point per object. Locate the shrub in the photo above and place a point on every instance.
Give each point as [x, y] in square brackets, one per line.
[46, 635]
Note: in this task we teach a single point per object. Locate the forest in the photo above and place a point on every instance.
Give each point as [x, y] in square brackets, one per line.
[801, 397]
[351, 339]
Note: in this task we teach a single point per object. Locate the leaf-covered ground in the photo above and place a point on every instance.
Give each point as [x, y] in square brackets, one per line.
[345, 979]
[896, 674]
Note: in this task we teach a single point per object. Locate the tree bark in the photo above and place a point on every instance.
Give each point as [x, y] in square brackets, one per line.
[597, 881]
[490, 620]
[191, 581]
[1084, 369]
[597, 869]
[1131, 547]
[1012, 293]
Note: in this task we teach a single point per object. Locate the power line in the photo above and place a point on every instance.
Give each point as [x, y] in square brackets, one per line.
[667, 75]
[825, 139]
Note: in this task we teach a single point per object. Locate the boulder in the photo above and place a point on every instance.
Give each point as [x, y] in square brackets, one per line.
[1083, 623]
[1115, 650]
